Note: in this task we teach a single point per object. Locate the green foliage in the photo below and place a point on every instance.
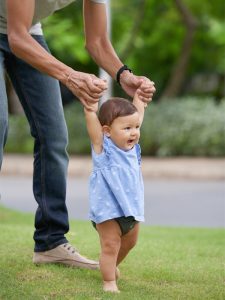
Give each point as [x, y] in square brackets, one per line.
[64, 32]
[217, 36]
[148, 35]
[19, 139]
[173, 263]
[184, 127]
[78, 137]
[189, 127]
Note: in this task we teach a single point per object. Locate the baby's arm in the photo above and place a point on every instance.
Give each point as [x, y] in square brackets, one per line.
[94, 128]
[140, 105]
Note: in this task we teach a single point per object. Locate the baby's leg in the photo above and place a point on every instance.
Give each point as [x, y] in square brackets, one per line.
[110, 239]
[128, 241]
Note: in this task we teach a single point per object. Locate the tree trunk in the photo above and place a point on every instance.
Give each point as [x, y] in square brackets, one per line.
[180, 68]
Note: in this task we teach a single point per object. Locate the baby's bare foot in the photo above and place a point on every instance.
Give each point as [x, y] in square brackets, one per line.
[110, 286]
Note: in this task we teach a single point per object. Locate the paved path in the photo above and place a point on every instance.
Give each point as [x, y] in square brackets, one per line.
[178, 168]
[178, 191]
[167, 202]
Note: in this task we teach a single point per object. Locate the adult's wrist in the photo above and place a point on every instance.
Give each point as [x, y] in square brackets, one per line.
[123, 70]
[63, 75]
[71, 76]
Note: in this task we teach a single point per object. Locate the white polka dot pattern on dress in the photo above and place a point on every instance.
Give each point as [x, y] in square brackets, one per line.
[116, 189]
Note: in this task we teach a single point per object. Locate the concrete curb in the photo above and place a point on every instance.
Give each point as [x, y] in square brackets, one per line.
[169, 168]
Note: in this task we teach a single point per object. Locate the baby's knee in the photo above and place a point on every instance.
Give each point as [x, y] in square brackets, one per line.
[111, 246]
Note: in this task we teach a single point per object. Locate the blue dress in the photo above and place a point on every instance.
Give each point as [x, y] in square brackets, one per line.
[116, 186]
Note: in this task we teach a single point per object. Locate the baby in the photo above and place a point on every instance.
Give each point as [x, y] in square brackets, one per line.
[116, 192]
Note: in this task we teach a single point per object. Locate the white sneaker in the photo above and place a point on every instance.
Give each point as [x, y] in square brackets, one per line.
[67, 255]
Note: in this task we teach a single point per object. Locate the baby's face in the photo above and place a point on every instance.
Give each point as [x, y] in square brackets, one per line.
[125, 131]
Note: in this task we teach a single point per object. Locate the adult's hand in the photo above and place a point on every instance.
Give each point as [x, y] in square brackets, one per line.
[87, 87]
[131, 83]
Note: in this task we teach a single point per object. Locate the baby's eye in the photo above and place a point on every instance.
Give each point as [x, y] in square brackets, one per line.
[127, 128]
[138, 126]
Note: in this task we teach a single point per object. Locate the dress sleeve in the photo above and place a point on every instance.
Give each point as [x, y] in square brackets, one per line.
[106, 146]
[138, 151]
[101, 159]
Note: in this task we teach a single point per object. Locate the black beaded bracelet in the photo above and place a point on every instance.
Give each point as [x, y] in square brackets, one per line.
[120, 71]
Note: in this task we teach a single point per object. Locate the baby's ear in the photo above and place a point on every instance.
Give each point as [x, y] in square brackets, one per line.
[106, 130]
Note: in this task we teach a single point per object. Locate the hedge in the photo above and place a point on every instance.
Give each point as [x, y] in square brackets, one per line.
[179, 127]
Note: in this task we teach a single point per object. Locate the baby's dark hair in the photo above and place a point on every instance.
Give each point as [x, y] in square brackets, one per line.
[114, 108]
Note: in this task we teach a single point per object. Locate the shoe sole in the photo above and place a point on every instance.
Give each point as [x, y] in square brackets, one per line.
[69, 263]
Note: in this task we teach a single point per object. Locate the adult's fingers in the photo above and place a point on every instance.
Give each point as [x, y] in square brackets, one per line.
[84, 93]
[145, 93]
[95, 84]
[145, 97]
[88, 82]
[146, 90]
[87, 97]
[101, 83]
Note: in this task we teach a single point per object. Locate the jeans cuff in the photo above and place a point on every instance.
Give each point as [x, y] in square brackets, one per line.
[50, 247]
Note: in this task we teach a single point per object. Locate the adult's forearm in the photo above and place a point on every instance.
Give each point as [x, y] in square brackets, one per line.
[105, 56]
[29, 50]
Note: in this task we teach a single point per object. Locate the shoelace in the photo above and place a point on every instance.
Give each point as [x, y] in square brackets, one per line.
[70, 248]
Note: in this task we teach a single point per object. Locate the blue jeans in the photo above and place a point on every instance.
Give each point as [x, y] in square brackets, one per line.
[40, 97]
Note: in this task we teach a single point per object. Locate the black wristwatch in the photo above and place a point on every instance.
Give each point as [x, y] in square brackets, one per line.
[120, 71]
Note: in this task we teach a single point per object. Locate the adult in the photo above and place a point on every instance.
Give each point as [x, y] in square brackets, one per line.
[35, 75]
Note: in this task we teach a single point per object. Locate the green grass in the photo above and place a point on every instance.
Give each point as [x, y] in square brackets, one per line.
[167, 263]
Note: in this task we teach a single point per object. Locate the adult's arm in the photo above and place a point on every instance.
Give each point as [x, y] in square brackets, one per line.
[19, 20]
[96, 37]
[102, 51]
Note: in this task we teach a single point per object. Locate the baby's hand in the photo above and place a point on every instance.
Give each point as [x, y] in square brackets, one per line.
[91, 107]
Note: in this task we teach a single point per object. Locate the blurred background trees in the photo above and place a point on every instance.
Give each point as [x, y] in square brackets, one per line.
[180, 45]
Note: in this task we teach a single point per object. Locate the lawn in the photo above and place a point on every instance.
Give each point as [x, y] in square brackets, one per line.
[168, 263]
